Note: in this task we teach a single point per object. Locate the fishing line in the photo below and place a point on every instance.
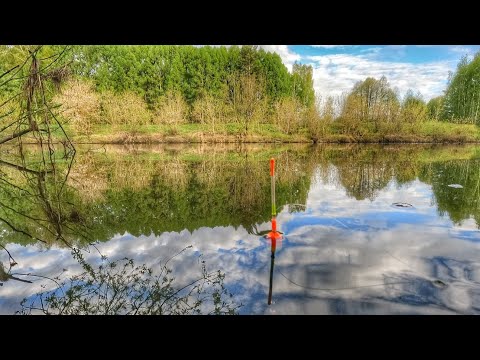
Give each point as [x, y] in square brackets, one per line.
[342, 288]
[435, 282]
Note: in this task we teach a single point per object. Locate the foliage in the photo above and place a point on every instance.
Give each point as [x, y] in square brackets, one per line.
[171, 109]
[110, 193]
[302, 79]
[126, 108]
[153, 71]
[289, 115]
[435, 106]
[370, 104]
[81, 105]
[221, 87]
[212, 111]
[462, 97]
[414, 108]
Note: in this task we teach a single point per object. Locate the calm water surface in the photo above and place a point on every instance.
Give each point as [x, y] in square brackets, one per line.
[367, 229]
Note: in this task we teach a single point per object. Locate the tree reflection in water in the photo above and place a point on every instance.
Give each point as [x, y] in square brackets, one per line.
[38, 204]
[114, 287]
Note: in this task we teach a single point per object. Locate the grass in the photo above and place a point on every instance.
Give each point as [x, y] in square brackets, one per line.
[448, 131]
[184, 133]
[423, 132]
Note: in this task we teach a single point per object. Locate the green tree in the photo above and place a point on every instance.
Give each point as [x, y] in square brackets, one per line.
[462, 98]
[435, 106]
[414, 108]
[302, 84]
[371, 102]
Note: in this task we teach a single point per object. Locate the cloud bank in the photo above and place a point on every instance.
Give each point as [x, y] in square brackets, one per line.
[337, 73]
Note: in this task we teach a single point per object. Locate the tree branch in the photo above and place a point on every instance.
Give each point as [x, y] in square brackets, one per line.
[15, 135]
[21, 231]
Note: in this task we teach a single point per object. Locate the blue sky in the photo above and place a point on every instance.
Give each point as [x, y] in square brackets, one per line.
[421, 68]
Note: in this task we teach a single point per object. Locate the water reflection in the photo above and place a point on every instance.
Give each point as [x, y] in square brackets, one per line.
[346, 249]
[122, 287]
[273, 245]
[44, 207]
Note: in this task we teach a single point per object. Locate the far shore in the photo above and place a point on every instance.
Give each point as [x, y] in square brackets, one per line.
[126, 138]
[428, 133]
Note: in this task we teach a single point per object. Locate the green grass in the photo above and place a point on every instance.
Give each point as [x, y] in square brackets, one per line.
[429, 131]
[446, 131]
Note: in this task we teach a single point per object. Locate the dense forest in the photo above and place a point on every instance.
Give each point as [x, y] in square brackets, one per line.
[237, 90]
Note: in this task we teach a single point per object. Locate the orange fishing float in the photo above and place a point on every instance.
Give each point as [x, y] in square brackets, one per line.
[274, 234]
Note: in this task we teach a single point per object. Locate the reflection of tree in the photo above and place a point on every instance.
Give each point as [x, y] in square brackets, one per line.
[187, 190]
[32, 184]
[38, 206]
[459, 204]
[122, 287]
[365, 171]
[6, 275]
[364, 180]
[231, 189]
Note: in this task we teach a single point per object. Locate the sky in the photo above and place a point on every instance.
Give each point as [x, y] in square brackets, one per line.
[336, 68]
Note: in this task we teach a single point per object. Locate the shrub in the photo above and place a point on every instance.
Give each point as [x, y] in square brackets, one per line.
[289, 115]
[171, 110]
[80, 105]
[124, 109]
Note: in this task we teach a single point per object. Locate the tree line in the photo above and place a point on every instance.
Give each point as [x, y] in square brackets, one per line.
[172, 85]
[373, 106]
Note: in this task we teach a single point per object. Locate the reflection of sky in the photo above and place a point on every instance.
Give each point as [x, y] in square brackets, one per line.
[339, 256]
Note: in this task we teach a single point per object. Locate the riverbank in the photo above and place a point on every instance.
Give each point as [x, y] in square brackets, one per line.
[428, 132]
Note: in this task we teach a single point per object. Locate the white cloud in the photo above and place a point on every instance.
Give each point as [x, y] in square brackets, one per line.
[336, 73]
[288, 57]
[372, 50]
[461, 50]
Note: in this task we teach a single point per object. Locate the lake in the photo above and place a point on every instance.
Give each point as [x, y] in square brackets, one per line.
[367, 229]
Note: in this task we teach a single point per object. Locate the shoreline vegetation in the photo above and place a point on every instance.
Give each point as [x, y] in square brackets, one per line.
[186, 94]
[191, 133]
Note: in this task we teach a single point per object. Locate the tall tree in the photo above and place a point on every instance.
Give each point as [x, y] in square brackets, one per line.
[462, 98]
[302, 82]
[435, 106]
[371, 101]
[414, 108]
